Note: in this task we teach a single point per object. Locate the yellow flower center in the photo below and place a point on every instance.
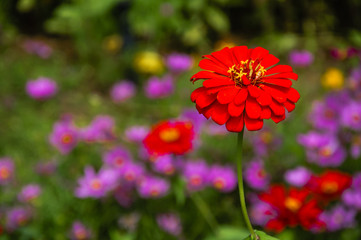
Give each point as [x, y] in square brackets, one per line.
[325, 152]
[329, 187]
[4, 173]
[219, 183]
[251, 69]
[96, 184]
[80, 234]
[66, 138]
[154, 192]
[293, 204]
[196, 180]
[169, 135]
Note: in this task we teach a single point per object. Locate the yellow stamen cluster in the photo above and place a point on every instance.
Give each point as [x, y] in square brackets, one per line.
[252, 69]
[169, 135]
[293, 204]
[329, 187]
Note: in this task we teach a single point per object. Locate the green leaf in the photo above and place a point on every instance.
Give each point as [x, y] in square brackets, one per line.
[230, 233]
[25, 5]
[217, 19]
[264, 236]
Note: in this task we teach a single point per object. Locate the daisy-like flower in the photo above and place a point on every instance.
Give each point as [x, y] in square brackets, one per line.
[241, 87]
[170, 137]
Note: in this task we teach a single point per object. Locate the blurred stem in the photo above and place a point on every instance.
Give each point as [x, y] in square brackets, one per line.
[205, 211]
[240, 186]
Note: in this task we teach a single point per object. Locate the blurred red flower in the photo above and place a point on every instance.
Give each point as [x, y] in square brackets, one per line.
[292, 207]
[169, 137]
[329, 185]
[241, 87]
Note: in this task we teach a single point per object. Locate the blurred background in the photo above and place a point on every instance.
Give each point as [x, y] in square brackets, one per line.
[83, 82]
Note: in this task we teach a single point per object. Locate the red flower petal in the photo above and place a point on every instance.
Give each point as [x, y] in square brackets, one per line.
[277, 93]
[278, 81]
[290, 106]
[207, 111]
[269, 60]
[220, 114]
[205, 100]
[217, 89]
[216, 82]
[265, 99]
[203, 75]
[207, 64]
[196, 93]
[277, 108]
[245, 80]
[227, 95]
[279, 69]
[253, 124]
[293, 95]
[235, 110]
[241, 53]
[224, 56]
[266, 113]
[278, 119]
[259, 52]
[235, 124]
[241, 96]
[254, 91]
[253, 109]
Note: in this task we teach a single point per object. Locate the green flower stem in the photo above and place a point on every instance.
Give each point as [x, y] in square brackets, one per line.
[240, 186]
[205, 211]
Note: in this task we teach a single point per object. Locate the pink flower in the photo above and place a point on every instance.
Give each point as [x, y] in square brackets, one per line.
[64, 137]
[159, 88]
[256, 176]
[122, 91]
[41, 88]
[222, 178]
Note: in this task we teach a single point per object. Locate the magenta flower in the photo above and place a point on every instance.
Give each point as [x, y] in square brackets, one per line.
[117, 157]
[222, 178]
[195, 173]
[29, 193]
[132, 172]
[79, 231]
[136, 133]
[41, 88]
[264, 141]
[96, 185]
[298, 177]
[6, 170]
[159, 88]
[339, 218]
[194, 117]
[323, 149]
[355, 80]
[165, 165]
[352, 197]
[351, 116]
[153, 187]
[64, 137]
[324, 117]
[101, 129]
[302, 58]
[17, 217]
[261, 212]
[122, 91]
[256, 176]
[170, 223]
[178, 62]
[38, 48]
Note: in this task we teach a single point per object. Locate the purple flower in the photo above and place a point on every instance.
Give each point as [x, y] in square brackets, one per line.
[64, 137]
[159, 88]
[122, 91]
[264, 141]
[79, 231]
[153, 187]
[42, 88]
[132, 172]
[222, 178]
[214, 129]
[96, 185]
[136, 133]
[117, 157]
[29, 193]
[170, 223]
[261, 212]
[101, 129]
[302, 58]
[324, 117]
[195, 174]
[355, 79]
[17, 217]
[298, 177]
[165, 165]
[6, 170]
[352, 197]
[356, 146]
[351, 116]
[178, 62]
[38, 48]
[124, 195]
[256, 176]
[323, 149]
[194, 117]
[338, 218]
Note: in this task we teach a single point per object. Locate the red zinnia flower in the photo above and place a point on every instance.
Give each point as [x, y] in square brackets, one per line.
[241, 87]
[292, 207]
[170, 137]
[329, 185]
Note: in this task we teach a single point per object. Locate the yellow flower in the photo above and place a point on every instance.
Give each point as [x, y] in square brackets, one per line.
[333, 79]
[148, 62]
[113, 43]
